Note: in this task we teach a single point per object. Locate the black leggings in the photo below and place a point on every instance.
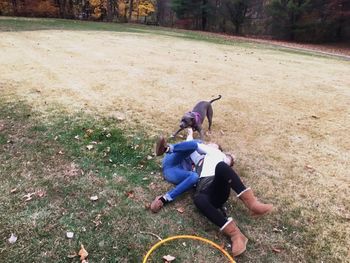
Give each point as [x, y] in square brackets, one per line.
[210, 199]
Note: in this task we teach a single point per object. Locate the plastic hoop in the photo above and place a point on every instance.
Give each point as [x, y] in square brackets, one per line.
[159, 243]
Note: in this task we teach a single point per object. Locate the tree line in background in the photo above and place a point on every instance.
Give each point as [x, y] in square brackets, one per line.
[296, 20]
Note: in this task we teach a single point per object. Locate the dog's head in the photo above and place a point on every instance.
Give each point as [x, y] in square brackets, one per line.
[187, 120]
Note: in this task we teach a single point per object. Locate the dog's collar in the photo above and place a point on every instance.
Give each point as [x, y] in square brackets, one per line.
[197, 117]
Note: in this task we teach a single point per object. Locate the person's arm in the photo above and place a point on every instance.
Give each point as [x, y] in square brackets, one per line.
[189, 134]
[205, 149]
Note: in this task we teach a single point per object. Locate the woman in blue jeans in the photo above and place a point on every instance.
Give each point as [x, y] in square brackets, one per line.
[177, 168]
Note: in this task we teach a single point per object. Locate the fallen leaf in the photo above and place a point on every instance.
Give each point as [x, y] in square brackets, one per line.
[12, 239]
[94, 198]
[310, 168]
[73, 255]
[89, 147]
[169, 258]
[130, 194]
[83, 253]
[14, 190]
[41, 193]
[89, 132]
[277, 250]
[180, 210]
[70, 235]
[28, 196]
[97, 220]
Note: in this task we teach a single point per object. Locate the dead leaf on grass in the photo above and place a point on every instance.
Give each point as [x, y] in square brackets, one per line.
[28, 196]
[130, 194]
[14, 190]
[40, 193]
[94, 198]
[69, 235]
[89, 147]
[276, 250]
[12, 239]
[73, 255]
[97, 220]
[181, 210]
[277, 230]
[168, 258]
[83, 253]
[309, 168]
[88, 132]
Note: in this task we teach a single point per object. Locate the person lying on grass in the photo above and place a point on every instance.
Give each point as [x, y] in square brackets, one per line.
[216, 179]
[177, 168]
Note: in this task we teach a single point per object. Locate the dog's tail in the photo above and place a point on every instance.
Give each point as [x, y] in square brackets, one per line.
[215, 99]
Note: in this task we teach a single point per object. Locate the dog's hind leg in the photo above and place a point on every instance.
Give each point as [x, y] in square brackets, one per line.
[210, 116]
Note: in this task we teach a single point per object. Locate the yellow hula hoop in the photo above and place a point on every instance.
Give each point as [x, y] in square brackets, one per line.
[155, 246]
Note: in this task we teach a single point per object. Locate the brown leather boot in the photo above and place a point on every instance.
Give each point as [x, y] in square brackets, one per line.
[256, 208]
[160, 146]
[239, 241]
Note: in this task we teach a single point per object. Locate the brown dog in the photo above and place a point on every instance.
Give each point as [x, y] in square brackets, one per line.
[195, 118]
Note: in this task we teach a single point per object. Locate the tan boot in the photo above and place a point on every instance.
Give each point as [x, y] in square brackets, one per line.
[257, 208]
[239, 241]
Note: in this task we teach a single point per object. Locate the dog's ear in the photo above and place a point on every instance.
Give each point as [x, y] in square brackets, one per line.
[189, 115]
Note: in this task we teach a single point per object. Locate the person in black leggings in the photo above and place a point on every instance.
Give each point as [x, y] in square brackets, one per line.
[213, 191]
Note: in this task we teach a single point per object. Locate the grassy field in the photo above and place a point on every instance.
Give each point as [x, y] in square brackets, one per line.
[60, 145]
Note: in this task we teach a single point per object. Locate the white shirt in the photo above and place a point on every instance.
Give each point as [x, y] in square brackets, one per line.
[212, 158]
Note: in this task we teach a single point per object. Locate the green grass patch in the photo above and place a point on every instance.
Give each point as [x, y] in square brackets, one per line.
[3, 138]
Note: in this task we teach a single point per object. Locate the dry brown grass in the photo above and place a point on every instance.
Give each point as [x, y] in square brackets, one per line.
[285, 115]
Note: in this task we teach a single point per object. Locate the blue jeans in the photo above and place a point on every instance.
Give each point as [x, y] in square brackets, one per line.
[177, 168]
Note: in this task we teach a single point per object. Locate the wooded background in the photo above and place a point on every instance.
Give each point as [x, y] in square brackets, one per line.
[295, 20]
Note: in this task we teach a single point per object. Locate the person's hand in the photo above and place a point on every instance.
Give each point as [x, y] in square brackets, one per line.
[190, 132]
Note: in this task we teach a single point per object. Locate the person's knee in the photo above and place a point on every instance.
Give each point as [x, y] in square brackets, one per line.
[200, 201]
[193, 178]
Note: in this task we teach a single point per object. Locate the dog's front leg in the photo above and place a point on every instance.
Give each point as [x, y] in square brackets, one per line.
[201, 132]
